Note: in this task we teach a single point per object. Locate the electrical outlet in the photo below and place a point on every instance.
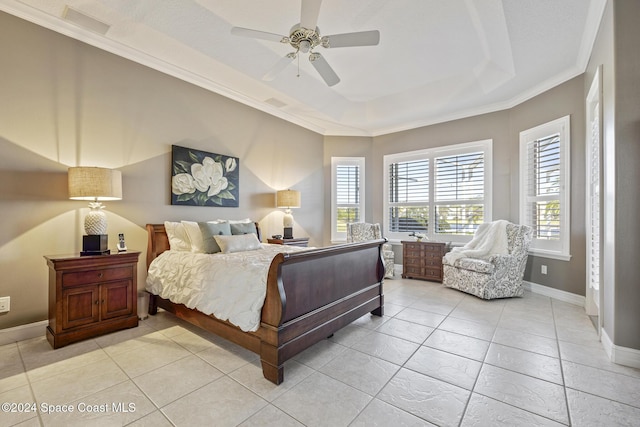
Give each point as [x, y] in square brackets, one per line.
[5, 303]
[543, 269]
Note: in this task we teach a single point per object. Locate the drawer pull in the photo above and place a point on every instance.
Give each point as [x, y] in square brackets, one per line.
[100, 275]
[97, 302]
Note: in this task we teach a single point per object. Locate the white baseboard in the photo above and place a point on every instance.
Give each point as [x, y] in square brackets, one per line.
[23, 332]
[554, 293]
[620, 355]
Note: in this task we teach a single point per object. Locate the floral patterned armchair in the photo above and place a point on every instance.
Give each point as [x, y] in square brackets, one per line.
[498, 276]
[362, 231]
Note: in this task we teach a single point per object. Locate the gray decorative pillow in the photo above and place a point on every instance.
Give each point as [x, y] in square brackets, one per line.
[208, 230]
[243, 228]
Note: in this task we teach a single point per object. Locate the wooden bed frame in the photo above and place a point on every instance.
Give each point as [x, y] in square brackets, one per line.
[310, 295]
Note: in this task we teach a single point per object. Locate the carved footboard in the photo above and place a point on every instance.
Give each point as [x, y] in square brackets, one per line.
[312, 294]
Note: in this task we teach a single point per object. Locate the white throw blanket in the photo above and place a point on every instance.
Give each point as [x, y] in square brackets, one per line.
[490, 239]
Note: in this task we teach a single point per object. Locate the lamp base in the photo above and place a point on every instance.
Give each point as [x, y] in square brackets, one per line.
[95, 244]
[288, 233]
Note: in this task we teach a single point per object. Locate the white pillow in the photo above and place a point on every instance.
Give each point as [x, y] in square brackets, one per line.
[178, 237]
[238, 243]
[195, 236]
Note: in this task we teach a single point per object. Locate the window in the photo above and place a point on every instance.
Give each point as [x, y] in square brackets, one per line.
[347, 202]
[544, 196]
[444, 192]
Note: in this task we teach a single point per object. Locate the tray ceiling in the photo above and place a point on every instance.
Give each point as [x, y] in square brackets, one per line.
[436, 61]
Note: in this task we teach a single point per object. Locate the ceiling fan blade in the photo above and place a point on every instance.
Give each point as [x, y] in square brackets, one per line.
[363, 38]
[324, 69]
[309, 13]
[279, 66]
[247, 32]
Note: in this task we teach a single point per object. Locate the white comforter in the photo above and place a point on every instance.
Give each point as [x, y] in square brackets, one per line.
[230, 286]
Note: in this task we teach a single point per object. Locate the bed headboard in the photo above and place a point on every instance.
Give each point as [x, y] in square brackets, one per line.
[158, 241]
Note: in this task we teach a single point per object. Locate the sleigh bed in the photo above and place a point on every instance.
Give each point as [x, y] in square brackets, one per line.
[309, 295]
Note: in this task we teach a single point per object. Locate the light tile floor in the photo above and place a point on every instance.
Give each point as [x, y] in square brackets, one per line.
[438, 357]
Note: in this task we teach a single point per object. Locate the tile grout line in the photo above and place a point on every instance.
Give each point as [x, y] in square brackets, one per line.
[33, 394]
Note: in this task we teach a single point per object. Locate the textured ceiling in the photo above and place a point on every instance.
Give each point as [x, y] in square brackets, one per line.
[437, 60]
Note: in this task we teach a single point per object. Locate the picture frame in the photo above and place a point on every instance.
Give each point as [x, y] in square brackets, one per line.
[200, 178]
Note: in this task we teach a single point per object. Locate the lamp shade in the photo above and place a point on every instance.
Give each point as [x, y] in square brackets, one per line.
[288, 199]
[92, 183]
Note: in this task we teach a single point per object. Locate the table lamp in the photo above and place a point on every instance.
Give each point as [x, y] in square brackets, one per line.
[288, 199]
[96, 185]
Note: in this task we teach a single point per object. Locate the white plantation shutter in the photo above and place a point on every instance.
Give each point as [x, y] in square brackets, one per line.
[594, 200]
[543, 187]
[544, 201]
[348, 194]
[408, 198]
[459, 193]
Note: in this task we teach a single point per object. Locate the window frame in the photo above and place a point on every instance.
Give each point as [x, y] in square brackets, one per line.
[548, 248]
[337, 236]
[430, 154]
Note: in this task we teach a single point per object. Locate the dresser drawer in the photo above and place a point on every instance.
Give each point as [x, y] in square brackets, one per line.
[432, 248]
[413, 271]
[413, 262]
[432, 262]
[432, 274]
[412, 246]
[96, 276]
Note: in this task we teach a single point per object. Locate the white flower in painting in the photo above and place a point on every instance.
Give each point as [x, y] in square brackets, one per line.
[230, 164]
[182, 183]
[208, 177]
[202, 173]
[218, 181]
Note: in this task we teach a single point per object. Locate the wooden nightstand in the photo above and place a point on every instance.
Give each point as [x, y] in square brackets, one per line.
[91, 296]
[423, 260]
[297, 241]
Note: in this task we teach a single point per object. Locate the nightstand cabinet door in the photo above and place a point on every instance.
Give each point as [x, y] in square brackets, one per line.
[80, 306]
[116, 299]
[91, 296]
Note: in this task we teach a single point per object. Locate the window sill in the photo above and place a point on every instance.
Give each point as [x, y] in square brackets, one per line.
[549, 254]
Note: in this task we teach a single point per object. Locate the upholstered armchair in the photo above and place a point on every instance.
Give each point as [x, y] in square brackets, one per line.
[494, 276]
[362, 231]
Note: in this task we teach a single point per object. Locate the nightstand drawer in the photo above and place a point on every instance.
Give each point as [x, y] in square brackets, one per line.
[96, 276]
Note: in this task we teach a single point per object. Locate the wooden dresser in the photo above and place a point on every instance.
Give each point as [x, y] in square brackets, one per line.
[423, 260]
[91, 296]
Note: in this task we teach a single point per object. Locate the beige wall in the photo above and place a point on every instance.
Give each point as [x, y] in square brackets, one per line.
[65, 103]
[565, 99]
[347, 146]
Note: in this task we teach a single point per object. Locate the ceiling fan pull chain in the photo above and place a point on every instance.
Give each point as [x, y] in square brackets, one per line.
[298, 75]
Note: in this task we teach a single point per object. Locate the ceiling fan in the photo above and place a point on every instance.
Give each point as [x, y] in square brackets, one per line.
[305, 36]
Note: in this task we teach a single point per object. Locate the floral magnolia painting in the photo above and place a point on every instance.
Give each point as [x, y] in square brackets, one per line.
[199, 178]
